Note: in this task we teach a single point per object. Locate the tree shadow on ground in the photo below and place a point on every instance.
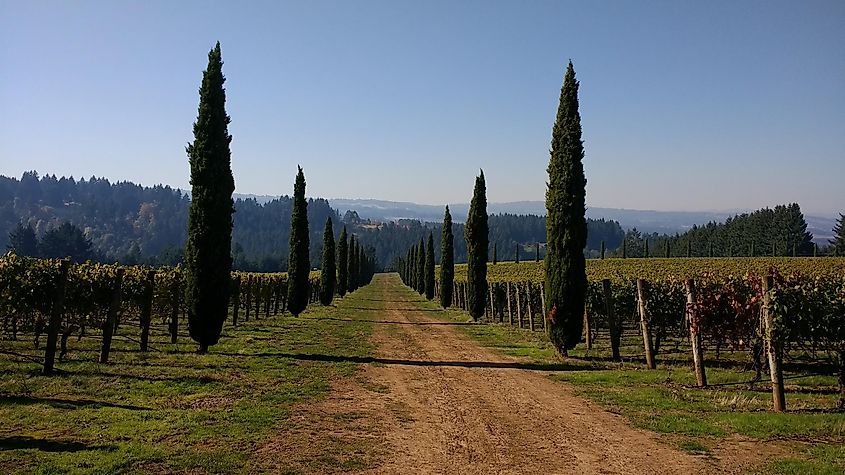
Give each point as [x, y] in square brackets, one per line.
[422, 363]
[6, 399]
[393, 322]
[46, 445]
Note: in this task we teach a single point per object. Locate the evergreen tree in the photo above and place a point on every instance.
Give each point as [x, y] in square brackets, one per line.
[537, 254]
[476, 235]
[516, 253]
[66, 240]
[838, 241]
[342, 269]
[421, 268]
[429, 268]
[495, 254]
[566, 227]
[328, 271]
[447, 261]
[22, 240]
[351, 265]
[299, 263]
[208, 250]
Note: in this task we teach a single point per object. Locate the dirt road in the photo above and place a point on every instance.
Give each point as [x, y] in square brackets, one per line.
[452, 406]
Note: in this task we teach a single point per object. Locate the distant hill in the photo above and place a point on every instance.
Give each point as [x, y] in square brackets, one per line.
[647, 221]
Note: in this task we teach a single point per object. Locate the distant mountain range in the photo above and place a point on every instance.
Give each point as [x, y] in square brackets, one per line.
[648, 221]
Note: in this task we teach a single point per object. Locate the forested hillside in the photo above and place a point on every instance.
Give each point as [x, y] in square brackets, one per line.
[134, 224]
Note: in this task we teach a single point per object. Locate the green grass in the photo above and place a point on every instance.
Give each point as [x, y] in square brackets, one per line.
[172, 409]
[666, 400]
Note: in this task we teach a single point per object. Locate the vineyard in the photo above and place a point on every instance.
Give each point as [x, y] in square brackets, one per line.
[54, 299]
[757, 313]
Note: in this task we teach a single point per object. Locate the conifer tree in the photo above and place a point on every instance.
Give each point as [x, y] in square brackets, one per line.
[566, 226]
[447, 261]
[537, 254]
[429, 268]
[351, 265]
[476, 235]
[328, 271]
[495, 254]
[22, 240]
[516, 253]
[838, 241]
[421, 268]
[208, 250]
[342, 269]
[299, 264]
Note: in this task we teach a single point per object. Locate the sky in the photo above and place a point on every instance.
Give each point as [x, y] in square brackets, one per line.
[685, 105]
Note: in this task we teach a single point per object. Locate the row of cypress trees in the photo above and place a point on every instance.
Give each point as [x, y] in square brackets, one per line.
[208, 257]
[566, 235]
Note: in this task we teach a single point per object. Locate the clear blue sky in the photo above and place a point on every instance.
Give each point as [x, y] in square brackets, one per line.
[685, 105]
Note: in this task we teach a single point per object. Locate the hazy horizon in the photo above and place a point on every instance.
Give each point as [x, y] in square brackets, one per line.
[694, 107]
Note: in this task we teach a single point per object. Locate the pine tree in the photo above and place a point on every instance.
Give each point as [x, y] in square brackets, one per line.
[429, 268]
[22, 240]
[838, 241]
[447, 261]
[328, 272]
[476, 235]
[421, 267]
[299, 264]
[208, 250]
[342, 269]
[566, 227]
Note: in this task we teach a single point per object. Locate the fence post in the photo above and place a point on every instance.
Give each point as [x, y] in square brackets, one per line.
[259, 287]
[543, 304]
[175, 303]
[528, 292]
[612, 322]
[588, 335]
[774, 348]
[695, 335]
[55, 317]
[111, 317]
[236, 299]
[147, 309]
[644, 323]
[268, 298]
[508, 294]
[518, 306]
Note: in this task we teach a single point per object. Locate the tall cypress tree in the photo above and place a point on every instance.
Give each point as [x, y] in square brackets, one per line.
[516, 253]
[447, 261]
[421, 267]
[342, 270]
[429, 268]
[328, 272]
[838, 241]
[495, 254]
[351, 265]
[208, 250]
[566, 227]
[476, 235]
[299, 264]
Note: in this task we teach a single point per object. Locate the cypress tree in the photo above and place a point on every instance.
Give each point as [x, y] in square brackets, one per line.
[412, 267]
[646, 249]
[566, 226]
[299, 264]
[838, 241]
[429, 268]
[328, 271]
[350, 265]
[495, 254]
[421, 267]
[537, 253]
[342, 270]
[516, 253]
[447, 261]
[476, 235]
[208, 250]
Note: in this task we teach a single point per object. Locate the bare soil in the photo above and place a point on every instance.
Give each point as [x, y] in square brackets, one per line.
[437, 402]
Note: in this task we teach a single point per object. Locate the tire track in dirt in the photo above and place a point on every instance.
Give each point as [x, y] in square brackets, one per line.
[465, 409]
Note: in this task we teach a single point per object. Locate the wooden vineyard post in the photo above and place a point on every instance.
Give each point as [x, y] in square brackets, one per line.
[259, 287]
[508, 294]
[588, 333]
[268, 299]
[284, 295]
[111, 317]
[644, 323]
[175, 303]
[464, 295]
[487, 305]
[774, 349]
[695, 335]
[278, 294]
[518, 306]
[147, 309]
[55, 317]
[613, 323]
[236, 299]
[543, 304]
[528, 292]
[248, 300]
[492, 303]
